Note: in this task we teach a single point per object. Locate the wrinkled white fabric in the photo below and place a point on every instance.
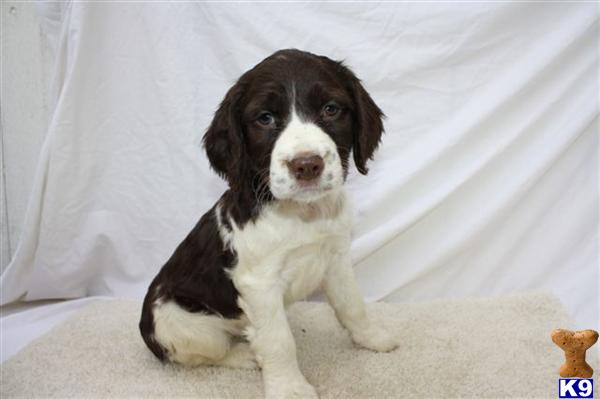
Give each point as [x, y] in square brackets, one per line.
[486, 181]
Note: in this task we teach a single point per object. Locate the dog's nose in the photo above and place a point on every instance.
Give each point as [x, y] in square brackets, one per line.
[306, 167]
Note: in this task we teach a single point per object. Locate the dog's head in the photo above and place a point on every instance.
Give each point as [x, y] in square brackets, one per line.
[287, 127]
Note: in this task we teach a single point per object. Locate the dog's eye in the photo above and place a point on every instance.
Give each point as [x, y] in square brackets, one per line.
[266, 119]
[331, 109]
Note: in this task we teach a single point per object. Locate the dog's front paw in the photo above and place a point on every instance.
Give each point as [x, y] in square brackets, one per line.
[298, 389]
[377, 339]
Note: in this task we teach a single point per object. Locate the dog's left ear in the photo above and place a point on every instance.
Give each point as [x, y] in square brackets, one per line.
[368, 121]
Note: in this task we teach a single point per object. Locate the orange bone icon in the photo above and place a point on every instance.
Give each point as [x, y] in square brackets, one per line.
[575, 343]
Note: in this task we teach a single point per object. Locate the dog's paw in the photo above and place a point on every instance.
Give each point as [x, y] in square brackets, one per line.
[292, 390]
[377, 339]
[240, 356]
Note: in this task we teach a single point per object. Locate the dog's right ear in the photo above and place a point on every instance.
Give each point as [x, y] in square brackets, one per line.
[223, 141]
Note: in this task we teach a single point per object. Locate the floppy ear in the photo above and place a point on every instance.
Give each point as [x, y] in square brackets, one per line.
[223, 141]
[368, 121]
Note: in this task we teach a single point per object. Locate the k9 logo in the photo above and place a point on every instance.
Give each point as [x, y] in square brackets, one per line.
[575, 388]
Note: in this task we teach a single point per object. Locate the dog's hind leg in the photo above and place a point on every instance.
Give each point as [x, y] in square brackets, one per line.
[194, 339]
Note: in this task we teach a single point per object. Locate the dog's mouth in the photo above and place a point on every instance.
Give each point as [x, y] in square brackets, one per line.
[314, 188]
[308, 192]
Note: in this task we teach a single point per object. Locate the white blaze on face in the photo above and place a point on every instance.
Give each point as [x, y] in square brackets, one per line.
[297, 139]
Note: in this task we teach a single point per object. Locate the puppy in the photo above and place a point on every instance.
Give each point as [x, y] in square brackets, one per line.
[282, 138]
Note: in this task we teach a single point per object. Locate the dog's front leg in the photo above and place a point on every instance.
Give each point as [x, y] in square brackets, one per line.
[273, 343]
[345, 298]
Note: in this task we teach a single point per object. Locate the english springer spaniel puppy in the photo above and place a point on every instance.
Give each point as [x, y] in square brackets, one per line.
[281, 138]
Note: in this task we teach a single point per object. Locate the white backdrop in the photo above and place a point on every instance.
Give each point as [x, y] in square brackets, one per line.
[486, 182]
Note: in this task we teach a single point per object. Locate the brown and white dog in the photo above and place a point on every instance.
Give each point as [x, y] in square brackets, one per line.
[281, 138]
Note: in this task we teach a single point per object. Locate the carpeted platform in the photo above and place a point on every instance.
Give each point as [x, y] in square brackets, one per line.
[469, 348]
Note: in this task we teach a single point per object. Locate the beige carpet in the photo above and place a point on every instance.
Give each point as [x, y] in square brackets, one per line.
[474, 348]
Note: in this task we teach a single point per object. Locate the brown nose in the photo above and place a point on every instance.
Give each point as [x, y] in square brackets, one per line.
[306, 167]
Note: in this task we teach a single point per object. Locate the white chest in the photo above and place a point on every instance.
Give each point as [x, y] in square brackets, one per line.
[290, 246]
